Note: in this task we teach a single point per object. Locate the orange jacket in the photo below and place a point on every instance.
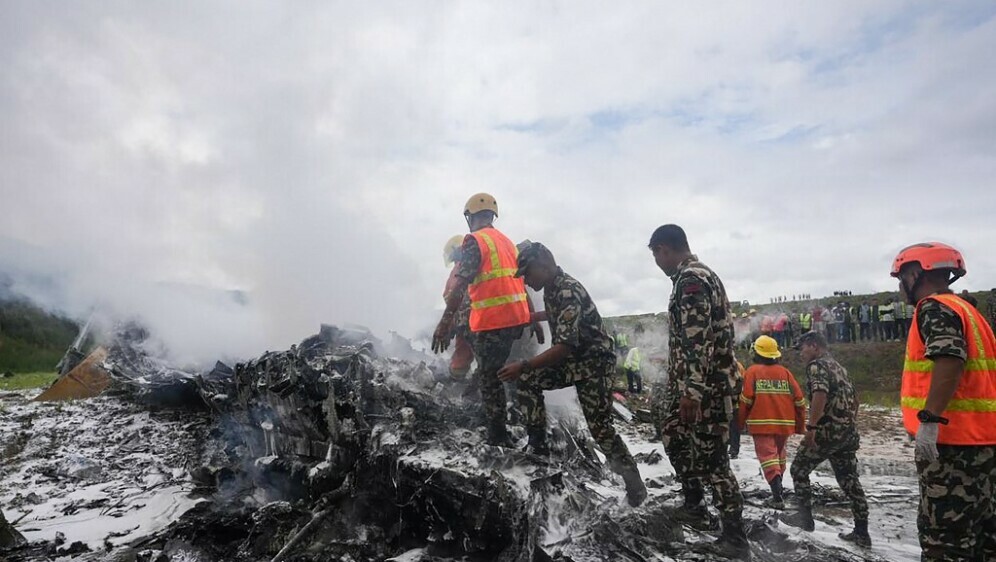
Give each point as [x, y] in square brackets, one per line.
[971, 413]
[497, 297]
[771, 402]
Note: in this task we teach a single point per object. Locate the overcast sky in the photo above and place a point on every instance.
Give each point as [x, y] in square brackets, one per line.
[318, 155]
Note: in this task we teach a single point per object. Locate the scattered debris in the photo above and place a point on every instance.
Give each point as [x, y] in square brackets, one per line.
[86, 379]
[327, 450]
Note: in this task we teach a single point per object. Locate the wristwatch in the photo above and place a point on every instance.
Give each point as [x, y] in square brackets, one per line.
[526, 367]
[926, 417]
[812, 427]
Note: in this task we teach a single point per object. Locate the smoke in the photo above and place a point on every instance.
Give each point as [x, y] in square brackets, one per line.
[221, 217]
[157, 159]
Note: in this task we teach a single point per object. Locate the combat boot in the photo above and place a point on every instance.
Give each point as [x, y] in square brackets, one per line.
[803, 518]
[537, 441]
[733, 542]
[776, 501]
[636, 491]
[859, 535]
[498, 434]
[693, 512]
[696, 516]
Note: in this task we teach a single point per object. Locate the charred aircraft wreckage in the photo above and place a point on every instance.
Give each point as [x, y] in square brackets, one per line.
[337, 450]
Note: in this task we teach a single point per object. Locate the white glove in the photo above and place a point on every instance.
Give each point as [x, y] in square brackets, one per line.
[926, 442]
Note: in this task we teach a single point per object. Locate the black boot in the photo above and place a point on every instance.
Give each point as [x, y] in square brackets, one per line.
[537, 441]
[9, 536]
[859, 535]
[498, 434]
[776, 501]
[802, 519]
[733, 542]
[693, 513]
[636, 491]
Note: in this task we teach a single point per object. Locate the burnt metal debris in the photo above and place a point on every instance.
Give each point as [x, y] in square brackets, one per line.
[332, 451]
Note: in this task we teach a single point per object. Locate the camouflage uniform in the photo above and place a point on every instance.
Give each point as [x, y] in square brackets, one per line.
[575, 322]
[837, 438]
[956, 519]
[702, 367]
[491, 347]
[991, 309]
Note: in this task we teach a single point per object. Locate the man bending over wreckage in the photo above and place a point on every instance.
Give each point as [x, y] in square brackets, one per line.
[581, 355]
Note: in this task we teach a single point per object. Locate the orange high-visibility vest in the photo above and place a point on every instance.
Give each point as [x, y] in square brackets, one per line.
[972, 410]
[497, 297]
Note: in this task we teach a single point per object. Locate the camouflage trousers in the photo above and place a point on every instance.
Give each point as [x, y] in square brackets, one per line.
[956, 519]
[594, 395]
[700, 455]
[843, 461]
[492, 349]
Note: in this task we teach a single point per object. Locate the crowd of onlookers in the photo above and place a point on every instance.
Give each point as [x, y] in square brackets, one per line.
[846, 321]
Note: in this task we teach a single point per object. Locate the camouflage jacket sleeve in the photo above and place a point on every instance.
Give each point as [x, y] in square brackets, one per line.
[564, 325]
[941, 330]
[470, 259]
[695, 336]
[818, 377]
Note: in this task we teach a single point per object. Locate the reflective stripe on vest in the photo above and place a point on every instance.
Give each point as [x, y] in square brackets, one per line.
[497, 298]
[972, 410]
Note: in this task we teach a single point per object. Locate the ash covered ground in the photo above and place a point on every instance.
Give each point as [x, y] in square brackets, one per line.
[336, 450]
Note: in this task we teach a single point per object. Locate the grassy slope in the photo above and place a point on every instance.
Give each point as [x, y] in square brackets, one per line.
[28, 380]
[32, 340]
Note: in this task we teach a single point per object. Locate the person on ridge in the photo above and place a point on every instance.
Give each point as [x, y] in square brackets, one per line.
[634, 378]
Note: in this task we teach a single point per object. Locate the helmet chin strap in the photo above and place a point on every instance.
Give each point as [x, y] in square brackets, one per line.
[910, 290]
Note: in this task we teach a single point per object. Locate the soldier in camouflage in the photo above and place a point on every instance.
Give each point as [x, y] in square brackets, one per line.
[697, 406]
[956, 518]
[581, 356]
[831, 434]
[991, 308]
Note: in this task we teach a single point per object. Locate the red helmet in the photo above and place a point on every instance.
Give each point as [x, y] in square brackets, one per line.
[931, 256]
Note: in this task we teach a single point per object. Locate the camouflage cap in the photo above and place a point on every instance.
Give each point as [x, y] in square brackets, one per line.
[813, 337]
[528, 253]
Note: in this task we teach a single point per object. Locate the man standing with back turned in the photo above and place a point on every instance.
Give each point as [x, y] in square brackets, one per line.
[698, 405]
[499, 307]
[949, 403]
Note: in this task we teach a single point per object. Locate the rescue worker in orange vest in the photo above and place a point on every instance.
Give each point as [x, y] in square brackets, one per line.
[771, 408]
[499, 307]
[948, 400]
[463, 355]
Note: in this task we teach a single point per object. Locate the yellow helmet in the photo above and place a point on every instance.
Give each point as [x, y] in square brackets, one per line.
[452, 244]
[481, 202]
[766, 346]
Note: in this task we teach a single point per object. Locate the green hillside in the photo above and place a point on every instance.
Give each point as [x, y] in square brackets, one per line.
[32, 340]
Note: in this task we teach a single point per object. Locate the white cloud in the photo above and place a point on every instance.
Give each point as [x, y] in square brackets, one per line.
[317, 156]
